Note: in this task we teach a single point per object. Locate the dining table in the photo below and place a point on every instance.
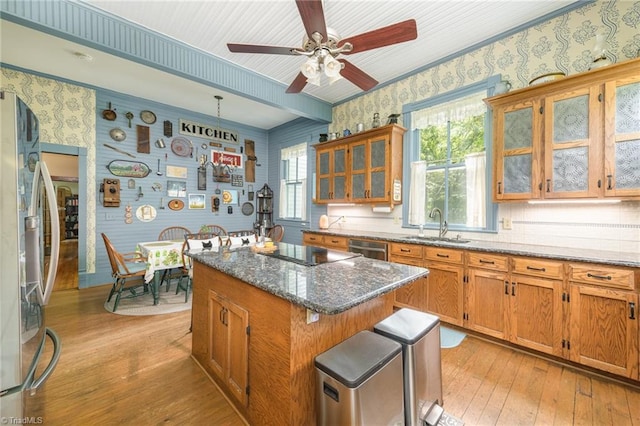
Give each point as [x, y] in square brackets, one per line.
[160, 256]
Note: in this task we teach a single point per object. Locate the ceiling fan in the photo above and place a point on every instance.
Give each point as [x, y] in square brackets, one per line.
[321, 45]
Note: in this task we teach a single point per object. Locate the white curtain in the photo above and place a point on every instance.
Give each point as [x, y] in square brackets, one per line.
[303, 199]
[417, 193]
[457, 110]
[476, 165]
[282, 205]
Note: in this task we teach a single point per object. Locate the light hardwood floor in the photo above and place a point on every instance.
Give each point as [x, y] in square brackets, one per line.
[138, 371]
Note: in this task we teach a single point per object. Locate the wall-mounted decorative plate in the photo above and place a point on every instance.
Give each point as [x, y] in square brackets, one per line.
[146, 213]
[247, 208]
[147, 117]
[176, 204]
[181, 146]
[117, 134]
[124, 168]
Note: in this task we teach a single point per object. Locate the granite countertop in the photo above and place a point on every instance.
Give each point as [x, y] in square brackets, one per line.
[548, 252]
[329, 288]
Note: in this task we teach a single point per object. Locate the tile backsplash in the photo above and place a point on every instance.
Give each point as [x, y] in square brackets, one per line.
[611, 227]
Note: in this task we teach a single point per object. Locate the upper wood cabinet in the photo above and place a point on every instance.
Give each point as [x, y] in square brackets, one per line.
[578, 137]
[361, 168]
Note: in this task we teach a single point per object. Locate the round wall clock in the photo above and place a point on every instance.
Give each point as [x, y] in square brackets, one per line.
[148, 117]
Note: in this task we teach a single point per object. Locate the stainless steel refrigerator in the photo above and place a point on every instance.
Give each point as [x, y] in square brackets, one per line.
[27, 267]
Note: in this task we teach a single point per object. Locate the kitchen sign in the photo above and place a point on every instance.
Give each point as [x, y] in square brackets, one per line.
[192, 128]
[227, 158]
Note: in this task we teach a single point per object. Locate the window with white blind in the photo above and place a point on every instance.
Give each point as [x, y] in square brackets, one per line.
[293, 182]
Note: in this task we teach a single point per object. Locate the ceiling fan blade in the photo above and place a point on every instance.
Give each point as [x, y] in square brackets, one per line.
[298, 84]
[385, 36]
[254, 48]
[312, 17]
[357, 76]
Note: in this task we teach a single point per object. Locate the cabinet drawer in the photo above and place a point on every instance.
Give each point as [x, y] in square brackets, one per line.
[413, 261]
[602, 276]
[312, 239]
[537, 267]
[487, 261]
[406, 250]
[332, 241]
[443, 255]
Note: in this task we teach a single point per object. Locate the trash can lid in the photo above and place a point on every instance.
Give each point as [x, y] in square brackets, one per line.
[407, 325]
[354, 360]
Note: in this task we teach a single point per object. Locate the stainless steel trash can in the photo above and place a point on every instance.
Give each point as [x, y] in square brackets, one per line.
[360, 382]
[419, 334]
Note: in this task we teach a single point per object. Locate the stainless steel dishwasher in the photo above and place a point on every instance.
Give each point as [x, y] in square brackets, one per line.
[370, 249]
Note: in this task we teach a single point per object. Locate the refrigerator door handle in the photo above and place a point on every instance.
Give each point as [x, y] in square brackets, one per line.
[57, 348]
[42, 171]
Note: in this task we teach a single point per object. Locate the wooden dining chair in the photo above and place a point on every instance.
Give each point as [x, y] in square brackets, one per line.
[215, 230]
[171, 233]
[199, 241]
[243, 237]
[128, 271]
[276, 233]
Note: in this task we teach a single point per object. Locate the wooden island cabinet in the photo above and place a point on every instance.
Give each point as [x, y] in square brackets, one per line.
[259, 322]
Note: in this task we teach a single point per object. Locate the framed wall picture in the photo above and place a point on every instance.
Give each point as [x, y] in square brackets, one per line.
[176, 188]
[196, 201]
[177, 172]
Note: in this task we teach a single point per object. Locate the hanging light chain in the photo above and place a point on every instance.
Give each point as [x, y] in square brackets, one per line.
[219, 98]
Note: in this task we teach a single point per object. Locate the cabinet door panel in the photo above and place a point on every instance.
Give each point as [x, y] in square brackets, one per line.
[357, 186]
[622, 137]
[323, 189]
[339, 187]
[378, 185]
[358, 158]
[536, 314]
[517, 174]
[573, 141]
[518, 129]
[238, 365]
[340, 160]
[378, 153]
[323, 163]
[487, 303]
[444, 292]
[604, 333]
[628, 165]
[218, 347]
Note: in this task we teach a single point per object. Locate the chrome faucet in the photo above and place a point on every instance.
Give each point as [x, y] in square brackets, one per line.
[443, 223]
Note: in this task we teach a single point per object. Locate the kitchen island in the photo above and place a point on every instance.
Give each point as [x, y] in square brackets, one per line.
[260, 319]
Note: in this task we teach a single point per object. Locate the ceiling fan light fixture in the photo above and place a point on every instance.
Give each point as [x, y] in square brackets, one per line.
[335, 78]
[311, 68]
[314, 80]
[332, 67]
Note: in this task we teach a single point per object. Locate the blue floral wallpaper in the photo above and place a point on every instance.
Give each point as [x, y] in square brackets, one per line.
[562, 44]
[67, 116]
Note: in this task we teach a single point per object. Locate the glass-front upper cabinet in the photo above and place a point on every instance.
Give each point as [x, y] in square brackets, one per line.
[572, 123]
[332, 174]
[368, 173]
[622, 136]
[517, 133]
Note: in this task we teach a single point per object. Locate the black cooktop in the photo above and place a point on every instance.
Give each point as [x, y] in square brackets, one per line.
[308, 255]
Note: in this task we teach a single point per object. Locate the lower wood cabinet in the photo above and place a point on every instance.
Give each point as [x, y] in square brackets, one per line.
[536, 313]
[445, 297]
[487, 295]
[604, 327]
[229, 344]
[326, 241]
[412, 295]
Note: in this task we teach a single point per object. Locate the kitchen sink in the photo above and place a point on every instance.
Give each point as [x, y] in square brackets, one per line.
[436, 239]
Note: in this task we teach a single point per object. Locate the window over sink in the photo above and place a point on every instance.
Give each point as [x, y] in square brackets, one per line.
[451, 132]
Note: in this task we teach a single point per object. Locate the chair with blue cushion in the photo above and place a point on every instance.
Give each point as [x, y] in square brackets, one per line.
[128, 270]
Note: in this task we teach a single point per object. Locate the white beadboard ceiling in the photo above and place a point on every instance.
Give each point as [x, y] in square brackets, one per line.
[444, 28]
